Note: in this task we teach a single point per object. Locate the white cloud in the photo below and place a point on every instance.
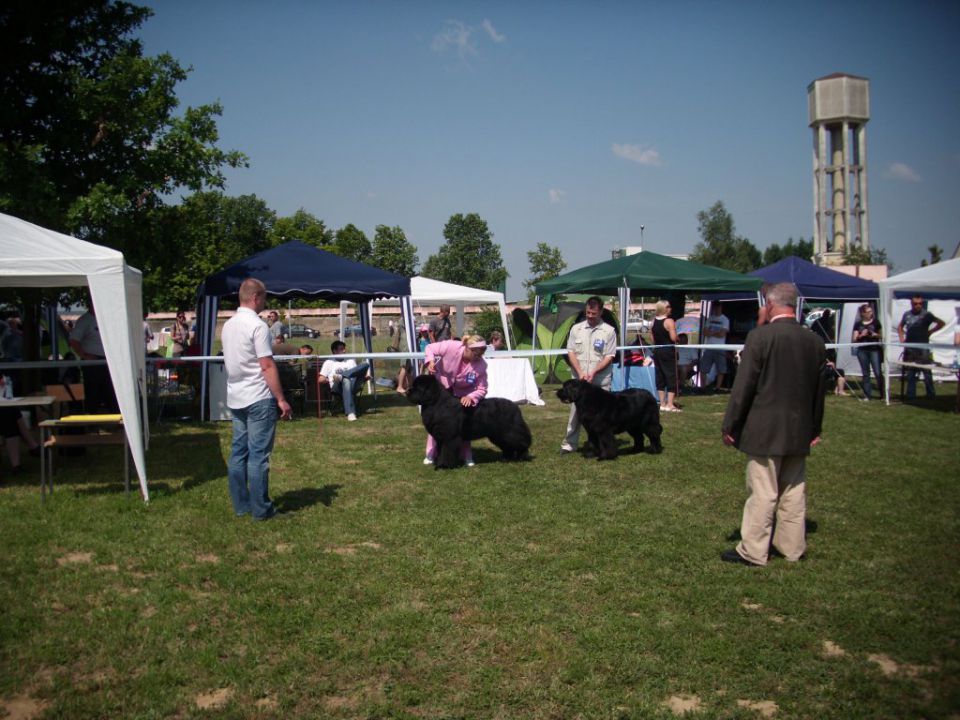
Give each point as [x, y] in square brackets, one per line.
[457, 36]
[637, 153]
[902, 171]
[492, 32]
[556, 195]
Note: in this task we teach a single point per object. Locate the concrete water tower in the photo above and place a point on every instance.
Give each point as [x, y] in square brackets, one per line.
[839, 112]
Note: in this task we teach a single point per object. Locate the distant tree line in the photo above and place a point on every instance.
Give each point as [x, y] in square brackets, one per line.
[720, 246]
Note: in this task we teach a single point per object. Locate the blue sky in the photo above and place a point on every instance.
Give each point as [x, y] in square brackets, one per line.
[573, 123]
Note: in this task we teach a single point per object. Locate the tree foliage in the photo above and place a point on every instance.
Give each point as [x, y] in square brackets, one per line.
[89, 143]
[206, 233]
[860, 256]
[469, 256]
[304, 227]
[352, 243]
[545, 262]
[801, 249]
[393, 252]
[936, 255]
[720, 246]
[485, 322]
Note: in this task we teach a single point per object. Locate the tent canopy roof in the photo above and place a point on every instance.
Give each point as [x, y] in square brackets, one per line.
[298, 270]
[36, 257]
[940, 280]
[812, 282]
[648, 273]
[423, 289]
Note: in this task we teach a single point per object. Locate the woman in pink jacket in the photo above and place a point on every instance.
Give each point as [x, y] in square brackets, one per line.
[461, 369]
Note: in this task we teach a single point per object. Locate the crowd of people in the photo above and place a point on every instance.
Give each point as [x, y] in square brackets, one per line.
[255, 394]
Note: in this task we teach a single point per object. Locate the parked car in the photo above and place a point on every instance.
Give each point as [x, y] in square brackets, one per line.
[300, 330]
[356, 330]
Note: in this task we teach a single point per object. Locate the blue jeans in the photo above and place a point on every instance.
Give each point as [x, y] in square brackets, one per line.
[868, 359]
[347, 383]
[248, 471]
[912, 383]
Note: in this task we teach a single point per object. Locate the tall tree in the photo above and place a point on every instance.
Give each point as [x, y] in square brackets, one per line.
[304, 227]
[351, 242]
[860, 256]
[801, 249]
[469, 256]
[205, 234]
[393, 252]
[89, 143]
[936, 255]
[720, 245]
[545, 262]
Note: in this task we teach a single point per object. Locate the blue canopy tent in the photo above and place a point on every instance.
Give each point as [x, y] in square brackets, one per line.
[298, 270]
[813, 282]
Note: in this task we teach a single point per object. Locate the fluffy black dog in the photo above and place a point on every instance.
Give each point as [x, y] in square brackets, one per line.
[603, 414]
[450, 423]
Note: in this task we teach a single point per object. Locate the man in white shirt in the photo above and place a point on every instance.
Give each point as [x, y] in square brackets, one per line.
[85, 342]
[715, 329]
[342, 376]
[591, 348]
[254, 396]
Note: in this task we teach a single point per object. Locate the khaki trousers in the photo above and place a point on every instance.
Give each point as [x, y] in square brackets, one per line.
[776, 487]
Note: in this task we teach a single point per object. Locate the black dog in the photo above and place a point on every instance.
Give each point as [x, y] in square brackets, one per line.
[450, 423]
[604, 414]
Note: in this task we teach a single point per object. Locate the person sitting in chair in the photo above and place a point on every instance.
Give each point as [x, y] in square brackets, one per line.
[341, 375]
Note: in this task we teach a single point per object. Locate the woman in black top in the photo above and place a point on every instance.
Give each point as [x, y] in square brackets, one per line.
[866, 332]
[665, 359]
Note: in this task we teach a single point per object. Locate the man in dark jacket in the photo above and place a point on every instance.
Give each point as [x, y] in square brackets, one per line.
[775, 415]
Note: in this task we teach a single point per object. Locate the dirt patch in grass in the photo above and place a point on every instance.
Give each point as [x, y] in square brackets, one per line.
[352, 548]
[208, 558]
[284, 547]
[266, 704]
[891, 668]
[214, 699]
[75, 558]
[888, 666]
[832, 650]
[766, 708]
[23, 707]
[682, 704]
[339, 702]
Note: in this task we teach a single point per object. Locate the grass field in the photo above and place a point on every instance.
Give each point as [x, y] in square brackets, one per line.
[555, 588]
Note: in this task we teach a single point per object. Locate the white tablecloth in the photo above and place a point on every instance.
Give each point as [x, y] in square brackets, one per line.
[512, 378]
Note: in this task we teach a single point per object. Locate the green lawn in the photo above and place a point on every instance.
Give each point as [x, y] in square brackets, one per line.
[556, 588]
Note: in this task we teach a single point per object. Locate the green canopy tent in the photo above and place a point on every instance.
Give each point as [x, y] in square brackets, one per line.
[644, 273]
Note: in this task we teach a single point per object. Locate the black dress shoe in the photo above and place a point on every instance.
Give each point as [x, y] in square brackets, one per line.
[732, 556]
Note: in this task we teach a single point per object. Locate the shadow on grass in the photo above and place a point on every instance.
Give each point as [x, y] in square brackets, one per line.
[175, 463]
[811, 528]
[307, 497]
[942, 403]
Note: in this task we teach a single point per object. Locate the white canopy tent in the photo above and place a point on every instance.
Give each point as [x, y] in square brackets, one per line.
[425, 291]
[937, 282]
[36, 257]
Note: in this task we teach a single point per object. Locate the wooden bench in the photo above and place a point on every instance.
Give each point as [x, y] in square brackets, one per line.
[98, 430]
